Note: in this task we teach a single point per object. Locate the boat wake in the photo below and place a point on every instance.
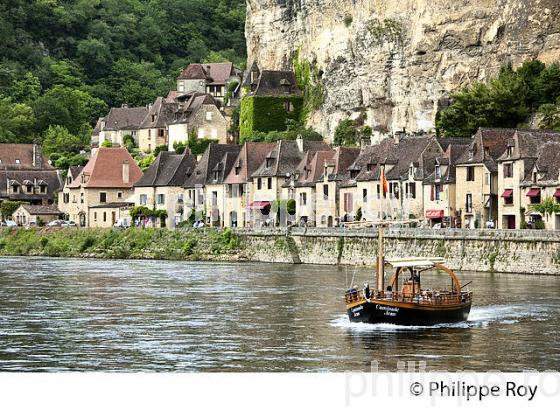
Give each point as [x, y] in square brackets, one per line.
[480, 316]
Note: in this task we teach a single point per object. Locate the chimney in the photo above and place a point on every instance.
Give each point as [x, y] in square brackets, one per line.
[126, 172]
[299, 142]
[37, 156]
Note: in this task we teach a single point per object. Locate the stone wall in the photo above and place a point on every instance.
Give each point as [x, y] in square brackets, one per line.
[533, 252]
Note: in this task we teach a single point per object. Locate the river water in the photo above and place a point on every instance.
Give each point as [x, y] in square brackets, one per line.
[70, 314]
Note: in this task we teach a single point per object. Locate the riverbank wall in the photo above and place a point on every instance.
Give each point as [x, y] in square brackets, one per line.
[523, 251]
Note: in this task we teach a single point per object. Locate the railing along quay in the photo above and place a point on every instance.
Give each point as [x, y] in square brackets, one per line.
[410, 233]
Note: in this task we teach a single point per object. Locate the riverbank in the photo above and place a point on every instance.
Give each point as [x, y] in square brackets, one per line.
[533, 252]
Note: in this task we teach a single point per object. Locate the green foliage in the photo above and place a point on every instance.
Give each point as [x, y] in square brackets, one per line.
[58, 139]
[179, 147]
[539, 224]
[159, 149]
[128, 142]
[229, 92]
[349, 133]
[17, 122]
[7, 208]
[547, 207]
[359, 214]
[291, 207]
[386, 31]
[293, 130]
[348, 20]
[264, 114]
[65, 161]
[308, 78]
[104, 53]
[507, 101]
[144, 163]
[197, 145]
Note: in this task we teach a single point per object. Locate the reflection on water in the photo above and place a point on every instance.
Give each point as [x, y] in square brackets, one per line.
[61, 314]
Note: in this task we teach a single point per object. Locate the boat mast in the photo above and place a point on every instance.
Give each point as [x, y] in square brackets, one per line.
[380, 280]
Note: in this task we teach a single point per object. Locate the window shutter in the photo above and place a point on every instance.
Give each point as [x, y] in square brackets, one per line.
[432, 194]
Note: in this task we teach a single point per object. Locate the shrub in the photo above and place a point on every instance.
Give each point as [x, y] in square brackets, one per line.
[106, 144]
[348, 20]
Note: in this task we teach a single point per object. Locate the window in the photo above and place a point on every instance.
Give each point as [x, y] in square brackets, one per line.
[161, 133]
[348, 202]
[470, 173]
[102, 197]
[18, 161]
[15, 189]
[303, 199]
[486, 178]
[509, 151]
[410, 190]
[119, 195]
[65, 198]
[535, 177]
[326, 191]
[143, 199]
[269, 183]
[95, 216]
[508, 170]
[269, 162]
[508, 200]
[104, 216]
[30, 189]
[259, 183]
[214, 198]
[161, 199]
[208, 115]
[81, 197]
[364, 194]
[200, 197]
[237, 170]
[154, 118]
[43, 189]
[468, 203]
[288, 106]
[181, 87]
[438, 172]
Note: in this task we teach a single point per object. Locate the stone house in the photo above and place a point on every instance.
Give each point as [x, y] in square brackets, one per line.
[35, 215]
[197, 114]
[327, 185]
[528, 172]
[211, 78]
[105, 215]
[439, 192]
[406, 160]
[108, 177]
[276, 170]
[302, 187]
[161, 186]
[119, 122]
[26, 175]
[238, 190]
[199, 199]
[153, 131]
[270, 99]
[476, 189]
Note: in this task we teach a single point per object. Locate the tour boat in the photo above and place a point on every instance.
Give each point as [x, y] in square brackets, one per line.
[409, 305]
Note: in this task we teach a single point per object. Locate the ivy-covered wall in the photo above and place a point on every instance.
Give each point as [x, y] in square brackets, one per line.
[267, 113]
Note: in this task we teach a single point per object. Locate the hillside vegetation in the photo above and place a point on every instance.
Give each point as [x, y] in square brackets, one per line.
[65, 62]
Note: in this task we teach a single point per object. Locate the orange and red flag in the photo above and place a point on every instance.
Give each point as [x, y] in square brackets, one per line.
[383, 179]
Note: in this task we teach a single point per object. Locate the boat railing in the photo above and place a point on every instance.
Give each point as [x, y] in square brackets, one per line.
[427, 297]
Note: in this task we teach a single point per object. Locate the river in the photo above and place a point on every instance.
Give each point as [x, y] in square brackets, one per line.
[97, 315]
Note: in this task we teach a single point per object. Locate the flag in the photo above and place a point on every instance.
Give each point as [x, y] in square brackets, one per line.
[384, 181]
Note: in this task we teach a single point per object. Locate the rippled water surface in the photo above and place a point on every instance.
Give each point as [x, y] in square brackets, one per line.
[63, 314]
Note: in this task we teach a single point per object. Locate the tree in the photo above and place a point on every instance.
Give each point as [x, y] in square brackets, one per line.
[346, 133]
[58, 139]
[159, 149]
[17, 122]
[547, 207]
[179, 147]
[7, 208]
[27, 89]
[106, 144]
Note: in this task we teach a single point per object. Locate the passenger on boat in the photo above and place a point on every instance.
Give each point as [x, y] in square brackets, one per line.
[389, 292]
[366, 290]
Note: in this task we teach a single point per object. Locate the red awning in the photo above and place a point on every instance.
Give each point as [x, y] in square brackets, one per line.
[259, 205]
[534, 192]
[434, 213]
[557, 194]
[508, 193]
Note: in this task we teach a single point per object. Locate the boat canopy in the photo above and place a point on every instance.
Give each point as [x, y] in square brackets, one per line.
[415, 262]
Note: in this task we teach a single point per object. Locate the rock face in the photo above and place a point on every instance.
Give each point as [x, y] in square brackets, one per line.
[397, 61]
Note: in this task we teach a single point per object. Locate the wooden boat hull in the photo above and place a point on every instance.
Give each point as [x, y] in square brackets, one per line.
[407, 314]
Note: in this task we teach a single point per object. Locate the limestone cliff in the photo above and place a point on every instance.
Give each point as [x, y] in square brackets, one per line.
[397, 60]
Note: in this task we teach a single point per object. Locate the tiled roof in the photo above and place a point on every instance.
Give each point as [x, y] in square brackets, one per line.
[213, 73]
[125, 118]
[202, 174]
[487, 145]
[311, 170]
[113, 205]
[343, 158]
[105, 170]
[276, 83]
[455, 147]
[285, 158]
[168, 169]
[49, 177]
[548, 163]
[98, 127]
[75, 170]
[20, 156]
[252, 154]
[159, 114]
[194, 101]
[42, 209]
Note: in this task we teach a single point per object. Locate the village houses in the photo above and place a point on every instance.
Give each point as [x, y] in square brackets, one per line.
[95, 196]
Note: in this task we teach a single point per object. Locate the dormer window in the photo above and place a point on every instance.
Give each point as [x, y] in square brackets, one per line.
[29, 189]
[237, 170]
[43, 189]
[307, 173]
[411, 170]
[487, 151]
[369, 167]
[208, 116]
[438, 171]
[216, 175]
[472, 151]
[269, 162]
[154, 116]
[509, 151]
[353, 173]
[18, 161]
[535, 176]
[285, 85]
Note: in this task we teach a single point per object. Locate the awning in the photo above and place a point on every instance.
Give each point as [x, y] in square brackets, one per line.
[259, 205]
[557, 194]
[508, 193]
[434, 213]
[534, 192]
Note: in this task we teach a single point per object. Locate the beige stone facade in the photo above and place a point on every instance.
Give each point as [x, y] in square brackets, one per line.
[475, 187]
